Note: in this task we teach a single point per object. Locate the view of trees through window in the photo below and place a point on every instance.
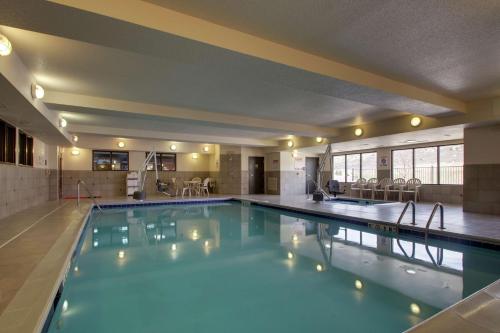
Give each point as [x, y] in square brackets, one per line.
[351, 167]
[432, 165]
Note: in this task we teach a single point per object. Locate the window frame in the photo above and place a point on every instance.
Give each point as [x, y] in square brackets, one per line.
[110, 158]
[360, 163]
[25, 153]
[438, 153]
[159, 157]
[8, 149]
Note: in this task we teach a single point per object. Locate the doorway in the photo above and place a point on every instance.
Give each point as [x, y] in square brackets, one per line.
[255, 175]
[312, 164]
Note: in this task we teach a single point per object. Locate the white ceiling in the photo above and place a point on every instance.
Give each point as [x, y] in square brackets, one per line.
[451, 46]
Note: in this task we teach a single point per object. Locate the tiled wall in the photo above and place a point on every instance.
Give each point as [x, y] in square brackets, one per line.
[113, 183]
[292, 182]
[230, 174]
[482, 188]
[25, 187]
[272, 182]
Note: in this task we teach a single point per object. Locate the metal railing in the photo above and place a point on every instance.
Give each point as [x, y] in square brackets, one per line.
[431, 174]
[431, 217]
[408, 203]
[91, 196]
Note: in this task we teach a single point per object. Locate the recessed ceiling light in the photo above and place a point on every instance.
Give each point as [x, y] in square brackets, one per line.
[289, 143]
[75, 138]
[173, 147]
[121, 254]
[121, 144]
[358, 132]
[37, 91]
[319, 267]
[5, 46]
[415, 121]
[358, 284]
[319, 139]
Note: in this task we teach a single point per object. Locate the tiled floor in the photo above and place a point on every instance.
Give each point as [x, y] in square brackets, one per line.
[36, 244]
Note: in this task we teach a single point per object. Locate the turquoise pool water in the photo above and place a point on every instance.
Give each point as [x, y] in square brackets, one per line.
[228, 267]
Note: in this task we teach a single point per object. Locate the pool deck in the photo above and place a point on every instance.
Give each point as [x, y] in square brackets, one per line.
[36, 246]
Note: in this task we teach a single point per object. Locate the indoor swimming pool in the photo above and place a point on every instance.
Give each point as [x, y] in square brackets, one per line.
[233, 267]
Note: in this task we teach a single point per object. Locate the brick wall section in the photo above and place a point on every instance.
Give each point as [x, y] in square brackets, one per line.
[482, 188]
[25, 187]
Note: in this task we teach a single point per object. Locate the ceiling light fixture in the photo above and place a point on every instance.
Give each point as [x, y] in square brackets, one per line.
[205, 149]
[63, 123]
[75, 138]
[414, 308]
[173, 147]
[415, 121]
[5, 46]
[37, 91]
[358, 284]
[75, 152]
[290, 255]
[289, 143]
[319, 267]
[358, 132]
[319, 139]
[121, 254]
[121, 144]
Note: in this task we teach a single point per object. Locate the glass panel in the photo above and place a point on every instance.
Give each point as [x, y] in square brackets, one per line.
[354, 236]
[168, 162]
[426, 167]
[369, 165]
[102, 160]
[402, 164]
[10, 144]
[451, 164]
[353, 167]
[341, 234]
[22, 148]
[369, 240]
[29, 151]
[339, 168]
[119, 161]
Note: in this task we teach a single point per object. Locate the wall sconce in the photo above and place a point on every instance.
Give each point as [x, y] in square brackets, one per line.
[415, 121]
[37, 91]
[205, 149]
[63, 123]
[121, 144]
[319, 139]
[5, 46]
[195, 156]
[173, 147]
[358, 132]
[295, 153]
[289, 144]
[75, 138]
[75, 152]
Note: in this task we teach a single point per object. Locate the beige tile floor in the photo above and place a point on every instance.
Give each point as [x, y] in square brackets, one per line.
[36, 246]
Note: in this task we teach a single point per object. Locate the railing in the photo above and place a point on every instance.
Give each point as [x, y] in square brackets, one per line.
[441, 222]
[81, 182]
[429, 175]
[412, 203]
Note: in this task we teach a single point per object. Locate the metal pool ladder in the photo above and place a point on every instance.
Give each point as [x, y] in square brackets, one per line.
[408, 203]
[81, 182]
[441, 214]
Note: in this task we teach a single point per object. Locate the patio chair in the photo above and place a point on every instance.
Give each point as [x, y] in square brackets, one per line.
[398, 185]
[383, 186]
[358, 186]
[204, 187]
[370, 187]
[413, 187]
[333, 187]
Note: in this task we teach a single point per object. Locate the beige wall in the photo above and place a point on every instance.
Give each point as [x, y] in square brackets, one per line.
[482, 145]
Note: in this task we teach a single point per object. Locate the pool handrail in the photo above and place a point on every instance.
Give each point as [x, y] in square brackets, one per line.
[431, 217]
[408, 203]
[91, 196]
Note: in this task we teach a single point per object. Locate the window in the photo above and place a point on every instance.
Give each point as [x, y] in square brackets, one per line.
[451, 160]
[432, 165]
[7, 143]
[353, 167]
[164, 162]
[402, 164]
[369, 165]
[349, 168]
[426, 165]
[25, 149]
[109, 160]
[339, 168]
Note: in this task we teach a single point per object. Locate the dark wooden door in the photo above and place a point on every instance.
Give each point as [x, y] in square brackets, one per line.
[255, 175]
[311, 173]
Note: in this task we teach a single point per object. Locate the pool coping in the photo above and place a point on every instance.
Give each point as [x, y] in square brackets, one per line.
[49, 304]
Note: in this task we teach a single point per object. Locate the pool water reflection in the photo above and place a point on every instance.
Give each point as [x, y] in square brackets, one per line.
[225, 267]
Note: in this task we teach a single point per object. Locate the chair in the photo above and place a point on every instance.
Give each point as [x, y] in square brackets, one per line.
[204, 187]
[358, 186]
[413, 186]
[370, 186]
[383, 186]
[397, 187]
[334, 187]
[175, 185]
